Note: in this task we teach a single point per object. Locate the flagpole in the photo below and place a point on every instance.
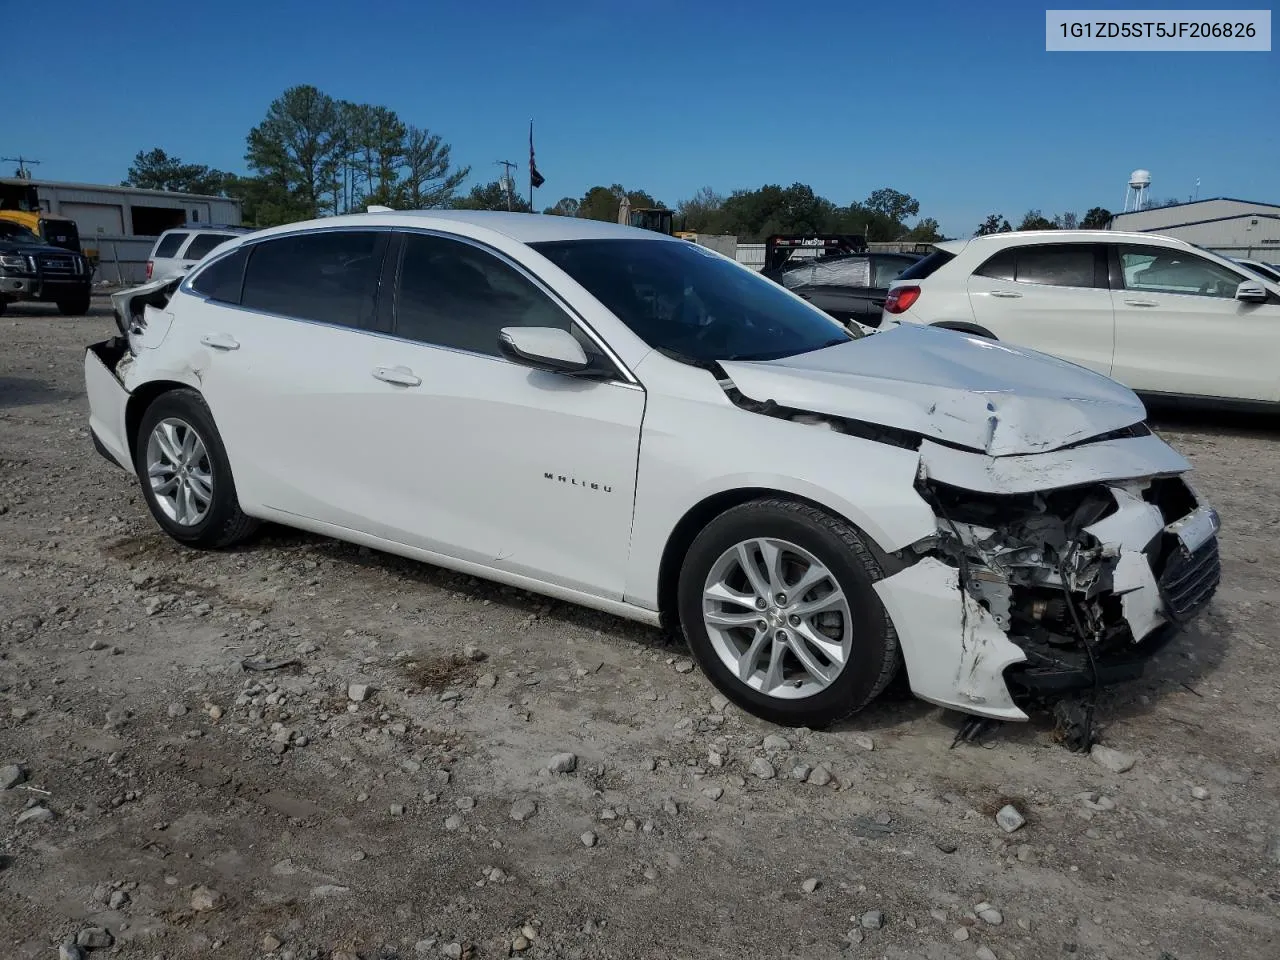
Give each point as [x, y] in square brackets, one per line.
[531, 164]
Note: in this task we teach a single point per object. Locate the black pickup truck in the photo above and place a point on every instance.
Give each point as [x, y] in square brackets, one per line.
[33, 269]
[835, 272]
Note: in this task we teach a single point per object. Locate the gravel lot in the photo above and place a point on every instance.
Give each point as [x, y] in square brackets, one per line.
[383, 789]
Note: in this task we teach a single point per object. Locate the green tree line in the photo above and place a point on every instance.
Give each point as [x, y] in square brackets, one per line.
[313, 155]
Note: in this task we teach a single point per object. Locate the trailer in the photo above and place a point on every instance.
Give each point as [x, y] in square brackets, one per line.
[117, 225]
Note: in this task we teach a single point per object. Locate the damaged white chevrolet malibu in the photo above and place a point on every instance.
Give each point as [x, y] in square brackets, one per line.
[634, 423]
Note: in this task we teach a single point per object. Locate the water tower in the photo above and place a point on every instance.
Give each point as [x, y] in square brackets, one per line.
[1139, 189]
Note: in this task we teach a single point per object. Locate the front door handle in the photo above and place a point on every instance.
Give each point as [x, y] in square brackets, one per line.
[1142, 303]
[400, 376]
[220, 341]
[1006, 294]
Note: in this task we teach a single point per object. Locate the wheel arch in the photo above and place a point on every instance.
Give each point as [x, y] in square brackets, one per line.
[704, 511]
[139, 400]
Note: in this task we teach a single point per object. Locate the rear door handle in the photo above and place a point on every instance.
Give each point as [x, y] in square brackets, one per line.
[1006, 294]
[1142, 303]
[400, 376]
[220, 341]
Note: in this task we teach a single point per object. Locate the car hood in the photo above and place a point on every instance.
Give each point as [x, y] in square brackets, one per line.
[959, 389]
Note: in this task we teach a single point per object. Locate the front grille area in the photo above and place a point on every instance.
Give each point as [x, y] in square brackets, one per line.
[57, 266]
[1189, 580]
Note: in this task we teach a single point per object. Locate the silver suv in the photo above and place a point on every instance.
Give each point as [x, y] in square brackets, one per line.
[178, 250]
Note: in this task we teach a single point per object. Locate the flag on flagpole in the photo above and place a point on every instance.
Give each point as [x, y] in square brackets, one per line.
[535, 178]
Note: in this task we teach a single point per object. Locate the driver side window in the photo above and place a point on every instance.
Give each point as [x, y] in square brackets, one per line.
[453, 294]
[1169, 270]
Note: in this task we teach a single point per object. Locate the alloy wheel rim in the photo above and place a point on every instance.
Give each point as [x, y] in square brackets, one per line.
[179, 471]
[777, 618]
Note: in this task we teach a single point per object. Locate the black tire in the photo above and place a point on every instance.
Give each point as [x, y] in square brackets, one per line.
[76, 306]
[875, 656]
[4, 305]
[225, 524]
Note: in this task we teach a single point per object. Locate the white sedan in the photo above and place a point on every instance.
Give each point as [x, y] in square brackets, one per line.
[634, 423]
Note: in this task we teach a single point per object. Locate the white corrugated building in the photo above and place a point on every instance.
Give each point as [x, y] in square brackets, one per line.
[120, 224]
[1234, 228]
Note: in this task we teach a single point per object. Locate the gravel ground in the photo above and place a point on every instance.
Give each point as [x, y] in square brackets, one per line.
[427, 765]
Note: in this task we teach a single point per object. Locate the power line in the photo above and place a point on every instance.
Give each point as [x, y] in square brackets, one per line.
[507, 183]
[23, 172]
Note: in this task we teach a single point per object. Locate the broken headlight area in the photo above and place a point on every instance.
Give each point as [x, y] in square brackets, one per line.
[1088, 581]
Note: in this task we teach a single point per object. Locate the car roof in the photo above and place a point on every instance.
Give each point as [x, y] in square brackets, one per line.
[1014, 237]
[521, 227]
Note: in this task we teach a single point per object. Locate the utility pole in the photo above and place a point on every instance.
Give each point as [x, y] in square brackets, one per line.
[507, 183]
[23, 172]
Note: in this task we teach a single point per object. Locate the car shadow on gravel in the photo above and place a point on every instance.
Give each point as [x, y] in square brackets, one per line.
[426, 574]
[25, 391]
[1165, 415]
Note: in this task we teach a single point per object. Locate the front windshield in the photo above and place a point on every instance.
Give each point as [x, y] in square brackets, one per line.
[691, 304]
[16, 233]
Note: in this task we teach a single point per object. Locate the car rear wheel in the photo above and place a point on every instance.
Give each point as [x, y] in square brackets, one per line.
[777, 603]
[76, 306]
[185, 474]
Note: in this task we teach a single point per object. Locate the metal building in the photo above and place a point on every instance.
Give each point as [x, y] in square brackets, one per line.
[118, 225]
[1231, 227]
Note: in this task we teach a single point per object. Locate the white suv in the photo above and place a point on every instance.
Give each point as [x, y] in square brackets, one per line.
[1160, 315]
[177, 251]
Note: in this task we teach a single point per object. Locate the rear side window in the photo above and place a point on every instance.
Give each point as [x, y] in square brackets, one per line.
[329, 277]
[1053, 265]
[926, 267]
[1057, 265]
[223, 279]
[169, 245]
[202, 243]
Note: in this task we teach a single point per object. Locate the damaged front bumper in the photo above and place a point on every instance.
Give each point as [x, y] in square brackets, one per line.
[1056, 573]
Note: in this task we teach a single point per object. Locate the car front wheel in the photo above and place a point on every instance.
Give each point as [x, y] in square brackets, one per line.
[777, 603]
[185, 474]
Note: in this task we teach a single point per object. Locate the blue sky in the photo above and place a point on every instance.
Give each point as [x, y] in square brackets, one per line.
[955, 103]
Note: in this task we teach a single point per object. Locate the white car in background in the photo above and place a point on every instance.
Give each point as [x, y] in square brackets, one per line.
[1160, 315]
[177, 251]
[638, 424]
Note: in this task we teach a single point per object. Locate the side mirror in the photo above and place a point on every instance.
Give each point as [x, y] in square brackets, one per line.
[544, 348]
[1251, 292]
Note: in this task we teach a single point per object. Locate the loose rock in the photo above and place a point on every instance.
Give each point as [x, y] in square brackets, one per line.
[713, 793]
[94, 938]
[810, 885]
[177, 710]
[472, 652]
[589, 839]
[961, 934]
[800, 771]
[820, 776]
[865, 742]
[359, 692]
[69, 951]
[11, 775]
[762, 768]
[684, 666]
[872, 920]
[1199, 793]
[204, 899]
[985, 953]
[34, 815]
[563, 763]
[774, 742]
[453, 822]
[989, 914]
[523, 810]
[1113, 760]
[1010, 819]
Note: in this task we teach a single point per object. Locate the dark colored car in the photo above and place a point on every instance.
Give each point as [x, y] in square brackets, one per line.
[33, 269]
[843, 279]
